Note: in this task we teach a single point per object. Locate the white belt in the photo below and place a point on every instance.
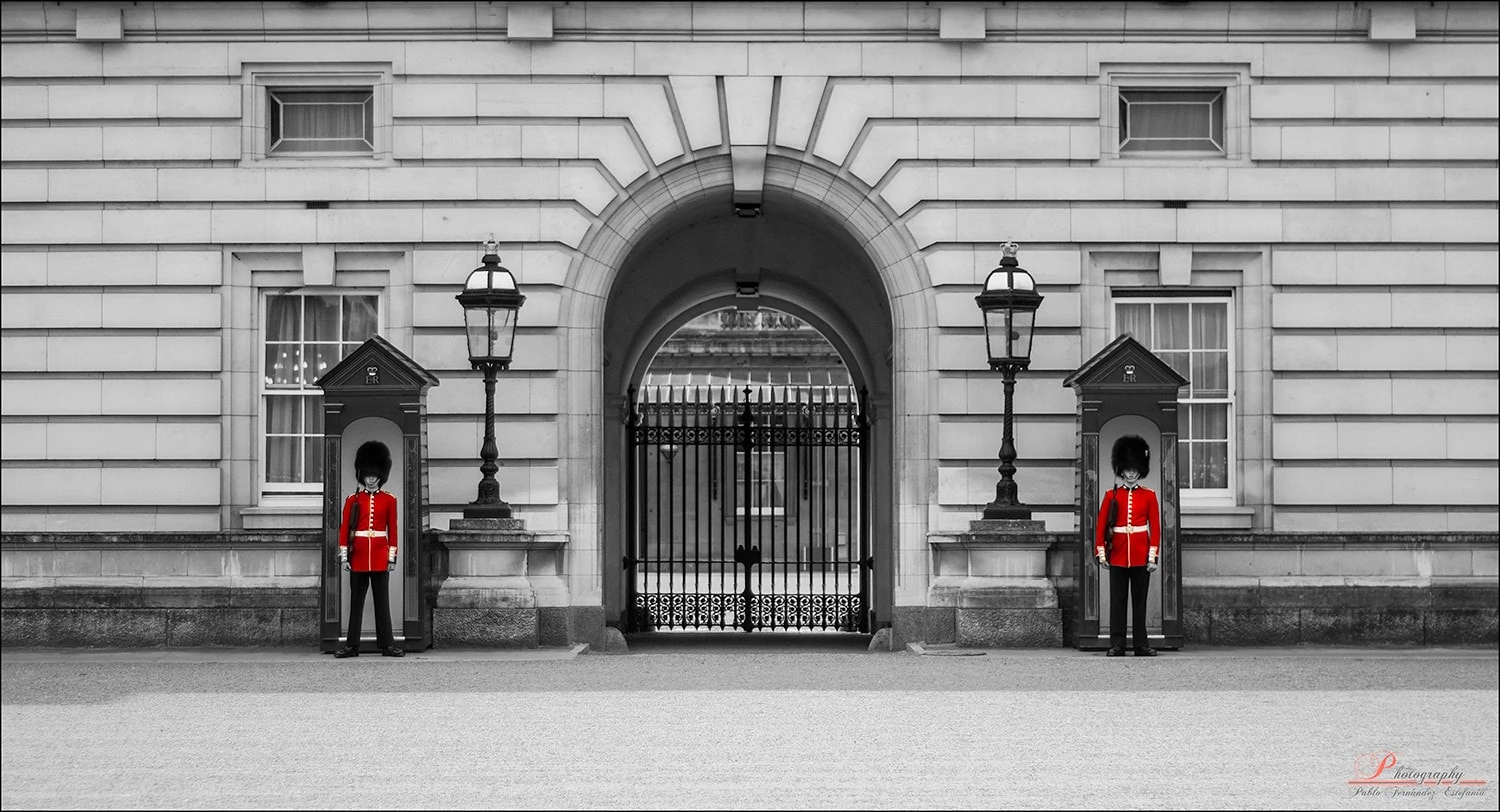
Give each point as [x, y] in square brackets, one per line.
[381, 533]
[1130, 528]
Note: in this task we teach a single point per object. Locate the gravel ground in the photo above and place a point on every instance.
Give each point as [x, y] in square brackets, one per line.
[738, 723]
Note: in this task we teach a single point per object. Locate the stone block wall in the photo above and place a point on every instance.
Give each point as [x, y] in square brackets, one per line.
[1262, 589]
[159, 590]
[1436, 590]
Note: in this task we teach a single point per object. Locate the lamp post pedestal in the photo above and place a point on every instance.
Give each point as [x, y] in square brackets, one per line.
[503, 586]
[992, 586]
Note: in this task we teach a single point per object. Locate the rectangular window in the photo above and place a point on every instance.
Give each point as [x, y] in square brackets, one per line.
[1154, 120]
[767, 472]
[306, 335]
[1192, 335]
[308, 121]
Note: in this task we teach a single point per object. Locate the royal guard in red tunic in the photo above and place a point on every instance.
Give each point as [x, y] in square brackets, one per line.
[1128, 542]
[367, 547]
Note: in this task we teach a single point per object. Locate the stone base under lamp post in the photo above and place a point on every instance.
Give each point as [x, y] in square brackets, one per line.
[994, 581]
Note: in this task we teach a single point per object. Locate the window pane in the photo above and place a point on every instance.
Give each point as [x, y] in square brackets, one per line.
[1178, 361]
[1210, 465]
[1135, 319]
[283, 318]
[322, 318]
[321, 358]
[321, 121]
[1209, 421]
[283, 415]
[1210, 378]
[322, 114]
[281, 459]
[1171, 119]
[360, 318]
[1210, 326]
[1170, 327]
[312, 414]
[312, 459]
[283, 365]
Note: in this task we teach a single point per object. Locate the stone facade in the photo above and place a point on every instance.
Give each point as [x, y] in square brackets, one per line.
[1349, 221]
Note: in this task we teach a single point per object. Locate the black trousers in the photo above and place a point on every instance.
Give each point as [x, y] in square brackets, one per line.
[1135, 581]
[359, 583]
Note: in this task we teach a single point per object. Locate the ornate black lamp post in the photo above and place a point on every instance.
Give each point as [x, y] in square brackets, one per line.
[1009, 303]
[491, 305]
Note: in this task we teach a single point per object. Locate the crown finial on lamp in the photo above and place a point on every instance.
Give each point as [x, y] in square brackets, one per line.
[1010, 249]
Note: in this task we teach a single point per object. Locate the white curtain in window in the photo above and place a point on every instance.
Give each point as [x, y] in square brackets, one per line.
[282, 371]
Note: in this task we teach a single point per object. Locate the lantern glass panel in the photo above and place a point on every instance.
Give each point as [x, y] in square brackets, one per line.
[492, 332]
[1022, 326]
[1008, 333]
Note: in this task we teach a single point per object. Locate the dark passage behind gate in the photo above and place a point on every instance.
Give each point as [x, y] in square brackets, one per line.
[746, 508]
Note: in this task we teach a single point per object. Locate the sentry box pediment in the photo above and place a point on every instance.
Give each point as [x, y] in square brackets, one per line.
[1125, 364]
[376, 366]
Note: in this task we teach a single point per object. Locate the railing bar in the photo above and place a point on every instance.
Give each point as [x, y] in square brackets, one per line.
[657, 534]
[801, 491]
[840, 491]
[726, 498]
[866, 588]
[697, 501]
[632, 452]
[822, 492]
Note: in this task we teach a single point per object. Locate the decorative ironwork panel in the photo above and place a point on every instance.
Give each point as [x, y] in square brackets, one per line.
[707, 610]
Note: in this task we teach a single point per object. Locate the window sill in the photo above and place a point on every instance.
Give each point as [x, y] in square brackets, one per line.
[1216, 517]
[288, 516]
[349, 160]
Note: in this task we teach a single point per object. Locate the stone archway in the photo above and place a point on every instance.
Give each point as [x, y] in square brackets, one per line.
[824, 250]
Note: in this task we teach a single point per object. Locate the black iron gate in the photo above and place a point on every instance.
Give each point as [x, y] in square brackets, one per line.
[747, 508]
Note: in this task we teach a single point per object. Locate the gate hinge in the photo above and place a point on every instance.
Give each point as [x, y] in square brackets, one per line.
[868, 563]
[629, 562]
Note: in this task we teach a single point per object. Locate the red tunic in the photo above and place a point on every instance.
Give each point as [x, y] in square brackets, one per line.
[374, 530]
[1137, 527]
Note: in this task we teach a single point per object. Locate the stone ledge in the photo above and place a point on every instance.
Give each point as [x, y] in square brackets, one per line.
[1337, 581]
[144, 582]
[169, 539]
[1250, 539]
[115, 597]
[539, 539]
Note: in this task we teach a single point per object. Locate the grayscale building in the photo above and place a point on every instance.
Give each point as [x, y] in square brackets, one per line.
[207, 206]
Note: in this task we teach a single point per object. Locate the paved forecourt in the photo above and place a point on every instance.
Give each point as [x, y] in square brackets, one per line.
[752, 721]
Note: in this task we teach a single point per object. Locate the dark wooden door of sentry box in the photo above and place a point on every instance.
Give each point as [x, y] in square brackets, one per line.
[747, 509]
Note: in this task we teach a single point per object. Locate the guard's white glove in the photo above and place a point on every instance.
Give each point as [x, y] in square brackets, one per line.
[344, 558]
[391, 564]
[1152, 564]
[1102, 561]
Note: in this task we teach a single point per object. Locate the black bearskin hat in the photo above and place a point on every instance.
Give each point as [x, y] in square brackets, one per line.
[1131, 451]
[372, 458]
